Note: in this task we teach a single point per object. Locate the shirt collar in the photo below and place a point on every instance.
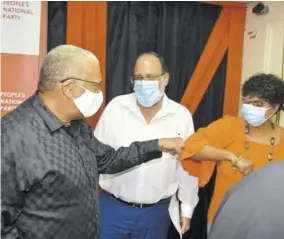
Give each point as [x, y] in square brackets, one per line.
[168, 106]
[52, 122]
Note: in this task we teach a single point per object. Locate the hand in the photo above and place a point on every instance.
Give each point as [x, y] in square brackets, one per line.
[185, 225]
[172, 146]
[245, 166]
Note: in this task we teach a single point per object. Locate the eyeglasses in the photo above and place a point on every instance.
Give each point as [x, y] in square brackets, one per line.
[258, 103]
[93, 86]
[145, 78]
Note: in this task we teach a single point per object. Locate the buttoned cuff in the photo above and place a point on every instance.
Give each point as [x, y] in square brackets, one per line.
[186, 210]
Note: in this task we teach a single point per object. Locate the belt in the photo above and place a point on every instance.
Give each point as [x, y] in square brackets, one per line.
[142, 205]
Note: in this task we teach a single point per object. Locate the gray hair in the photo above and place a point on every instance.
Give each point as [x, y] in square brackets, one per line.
[62, 62]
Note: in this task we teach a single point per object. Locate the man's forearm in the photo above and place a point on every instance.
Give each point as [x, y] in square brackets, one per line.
[128, 157]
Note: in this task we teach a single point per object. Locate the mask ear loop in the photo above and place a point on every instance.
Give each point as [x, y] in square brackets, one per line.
[82, 87]
[163, 87]
[268, 118]
[279, 109]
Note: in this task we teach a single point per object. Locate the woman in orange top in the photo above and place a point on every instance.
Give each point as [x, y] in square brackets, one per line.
[238, 145]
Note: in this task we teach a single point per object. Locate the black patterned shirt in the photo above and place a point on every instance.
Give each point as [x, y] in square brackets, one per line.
[50, 174]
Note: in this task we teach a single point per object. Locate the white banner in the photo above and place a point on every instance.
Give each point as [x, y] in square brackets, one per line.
[20, 48]
[20, 27]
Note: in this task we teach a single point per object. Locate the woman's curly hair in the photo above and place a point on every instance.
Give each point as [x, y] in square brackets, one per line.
[267, 87]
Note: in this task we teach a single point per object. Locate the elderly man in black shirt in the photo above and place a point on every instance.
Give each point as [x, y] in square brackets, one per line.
[51, 160]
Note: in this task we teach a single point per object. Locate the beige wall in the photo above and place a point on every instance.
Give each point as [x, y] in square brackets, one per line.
[264, 43]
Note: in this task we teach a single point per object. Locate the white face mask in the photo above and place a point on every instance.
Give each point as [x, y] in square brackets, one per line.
[89, 102]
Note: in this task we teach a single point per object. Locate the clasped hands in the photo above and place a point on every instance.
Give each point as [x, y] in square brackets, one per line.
[172, 146]
[243, 164]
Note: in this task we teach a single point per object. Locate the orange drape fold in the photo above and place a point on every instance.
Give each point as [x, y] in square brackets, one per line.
[86, 28]
[234, 62]
[208, 63]
[228, 35]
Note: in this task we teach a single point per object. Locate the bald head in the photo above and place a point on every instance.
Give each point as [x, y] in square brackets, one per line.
[63, 62]
[149, 62]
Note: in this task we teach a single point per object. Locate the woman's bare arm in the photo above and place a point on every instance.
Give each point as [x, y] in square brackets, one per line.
[210, 153]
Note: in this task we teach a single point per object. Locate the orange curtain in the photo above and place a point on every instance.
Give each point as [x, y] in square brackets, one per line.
[86, 28]
[227, 34]
[208, 63]
[234, 63]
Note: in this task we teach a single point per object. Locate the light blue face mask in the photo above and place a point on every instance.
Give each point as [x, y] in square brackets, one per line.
[147, 93]
[255, 116]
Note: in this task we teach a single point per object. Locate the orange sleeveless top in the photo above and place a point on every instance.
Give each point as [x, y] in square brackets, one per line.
[226, 133]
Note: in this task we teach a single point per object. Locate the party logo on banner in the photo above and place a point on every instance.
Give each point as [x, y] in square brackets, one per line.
[20, 41]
